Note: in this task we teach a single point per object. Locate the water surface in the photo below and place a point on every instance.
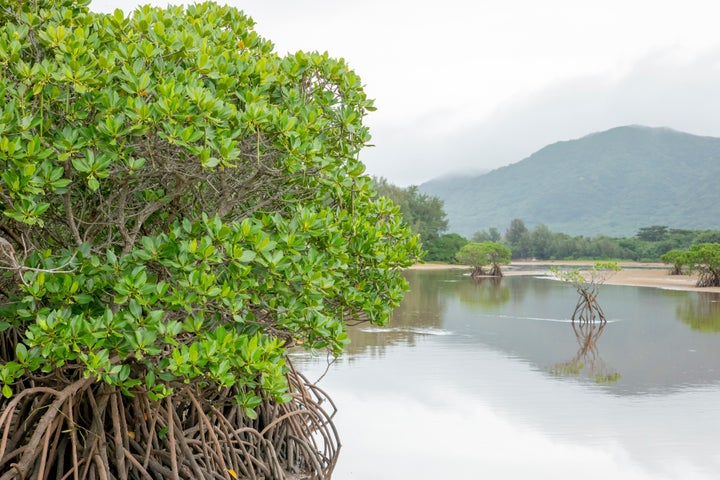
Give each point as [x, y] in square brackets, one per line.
[491, 380]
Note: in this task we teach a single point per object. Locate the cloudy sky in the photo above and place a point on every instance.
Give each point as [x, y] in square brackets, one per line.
[471, 85]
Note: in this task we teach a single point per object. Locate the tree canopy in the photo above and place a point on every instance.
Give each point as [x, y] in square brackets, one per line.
[677, 258]
[479, 255]
[423, 213]
[649, 244]
[519, 239]
[179, 206]
[654, 233]
[492, 234]
[444, 248]
[705, 259]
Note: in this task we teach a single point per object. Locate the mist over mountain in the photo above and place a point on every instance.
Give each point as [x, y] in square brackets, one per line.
[611, 182]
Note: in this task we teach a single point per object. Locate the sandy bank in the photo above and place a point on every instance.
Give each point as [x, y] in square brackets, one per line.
[636, 274]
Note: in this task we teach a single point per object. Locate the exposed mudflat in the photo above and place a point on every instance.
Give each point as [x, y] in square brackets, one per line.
[637, 274]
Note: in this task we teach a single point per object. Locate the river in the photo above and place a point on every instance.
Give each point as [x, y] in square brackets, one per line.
[491, 380]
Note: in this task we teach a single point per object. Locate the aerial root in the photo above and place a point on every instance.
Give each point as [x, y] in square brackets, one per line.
[587, 309]
[87, 430]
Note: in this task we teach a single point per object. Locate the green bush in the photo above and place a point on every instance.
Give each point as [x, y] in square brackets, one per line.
[179, 204]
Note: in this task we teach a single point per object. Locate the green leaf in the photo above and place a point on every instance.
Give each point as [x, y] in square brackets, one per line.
[124, 372]
[251, 413]
[81, 165]
[211, 162]
[93, 183]
[21, 352]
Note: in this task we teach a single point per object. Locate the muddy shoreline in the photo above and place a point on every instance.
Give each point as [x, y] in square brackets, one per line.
[637, 274]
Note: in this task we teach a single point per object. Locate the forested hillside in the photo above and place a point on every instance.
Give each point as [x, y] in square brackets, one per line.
[611, 183]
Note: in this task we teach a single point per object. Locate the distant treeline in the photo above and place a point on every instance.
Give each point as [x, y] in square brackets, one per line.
[426, 215]
[647, 245]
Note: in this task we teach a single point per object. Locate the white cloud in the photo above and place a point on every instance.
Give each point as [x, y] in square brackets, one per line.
[464, 83]
[663, 89]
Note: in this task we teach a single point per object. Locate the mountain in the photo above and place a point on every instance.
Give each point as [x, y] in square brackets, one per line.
[611, 182]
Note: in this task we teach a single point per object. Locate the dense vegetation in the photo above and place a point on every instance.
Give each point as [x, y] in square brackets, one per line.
[703, 258]
[649, 244]
[608, 183]
[179, 205]
[480, 255]
[426, 214]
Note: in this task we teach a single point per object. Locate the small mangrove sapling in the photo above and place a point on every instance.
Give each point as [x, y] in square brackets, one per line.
[587, 284]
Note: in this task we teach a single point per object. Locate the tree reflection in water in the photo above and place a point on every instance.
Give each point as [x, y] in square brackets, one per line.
[420, 314]
[483, 291]
[587, 360]
[701, 313]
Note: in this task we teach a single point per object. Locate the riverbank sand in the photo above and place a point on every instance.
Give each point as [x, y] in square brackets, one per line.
[636, 274]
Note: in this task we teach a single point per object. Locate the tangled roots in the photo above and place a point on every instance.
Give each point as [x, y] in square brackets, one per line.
[708, 278]
[87, 430]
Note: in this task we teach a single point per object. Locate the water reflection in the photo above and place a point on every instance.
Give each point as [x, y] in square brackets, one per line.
[459, 385]
[484, 292]
[701, 313]
[529, 318]
[420, 314]
[587, 360]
